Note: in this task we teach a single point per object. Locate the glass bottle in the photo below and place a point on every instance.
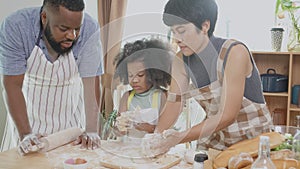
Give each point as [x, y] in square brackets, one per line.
[296, 145]
[199, 161]
[263, 160]
[298, 121]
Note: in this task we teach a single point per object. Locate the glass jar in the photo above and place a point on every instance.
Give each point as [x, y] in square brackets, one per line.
[297, 121]
[293, 43]
[296, 145]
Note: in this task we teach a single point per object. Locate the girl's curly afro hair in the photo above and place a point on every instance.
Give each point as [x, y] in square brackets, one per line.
[156, 57]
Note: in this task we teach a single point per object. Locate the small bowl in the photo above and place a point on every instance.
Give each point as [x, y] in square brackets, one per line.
[75, 163]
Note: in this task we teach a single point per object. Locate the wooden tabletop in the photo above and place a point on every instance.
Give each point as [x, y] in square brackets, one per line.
[12, 160]
[54, 159]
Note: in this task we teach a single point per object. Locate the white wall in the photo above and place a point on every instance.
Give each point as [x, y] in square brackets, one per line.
[144, 19]
[247, 20]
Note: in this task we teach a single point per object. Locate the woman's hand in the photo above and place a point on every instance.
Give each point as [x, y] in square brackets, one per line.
[149, 128]
[160, 143]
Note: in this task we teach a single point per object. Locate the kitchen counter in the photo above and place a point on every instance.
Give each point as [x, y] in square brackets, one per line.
[54, 159]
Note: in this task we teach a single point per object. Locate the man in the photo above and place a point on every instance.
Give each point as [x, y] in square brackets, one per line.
[224, 73]
[49, 59]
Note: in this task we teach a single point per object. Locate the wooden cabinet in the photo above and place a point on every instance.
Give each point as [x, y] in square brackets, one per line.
[286, 63]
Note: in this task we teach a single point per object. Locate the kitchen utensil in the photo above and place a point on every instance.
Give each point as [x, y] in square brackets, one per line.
[60, 138]
[273, 82]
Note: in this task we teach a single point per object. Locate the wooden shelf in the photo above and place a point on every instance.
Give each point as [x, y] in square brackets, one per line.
[294, 107]
[282, 94]
[285, 63]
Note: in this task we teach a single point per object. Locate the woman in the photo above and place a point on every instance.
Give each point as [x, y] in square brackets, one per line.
[224, 74]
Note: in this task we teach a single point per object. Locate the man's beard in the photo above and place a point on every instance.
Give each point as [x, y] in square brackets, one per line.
[56, 45]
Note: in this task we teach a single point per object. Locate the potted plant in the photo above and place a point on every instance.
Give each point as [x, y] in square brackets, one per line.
[291, 8]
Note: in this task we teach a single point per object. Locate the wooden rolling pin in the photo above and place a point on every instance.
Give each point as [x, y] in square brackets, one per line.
[60, 138]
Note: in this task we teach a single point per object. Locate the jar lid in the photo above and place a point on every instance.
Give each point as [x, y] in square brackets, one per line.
[277, 29]
[200, 157]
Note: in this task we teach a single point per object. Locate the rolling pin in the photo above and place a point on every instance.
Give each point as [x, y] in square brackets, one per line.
[60, 138]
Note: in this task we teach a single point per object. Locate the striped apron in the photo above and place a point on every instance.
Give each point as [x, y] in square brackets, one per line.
[252, 120]
[54, 96]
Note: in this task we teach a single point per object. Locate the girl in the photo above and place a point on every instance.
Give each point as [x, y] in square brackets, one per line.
[144, 65]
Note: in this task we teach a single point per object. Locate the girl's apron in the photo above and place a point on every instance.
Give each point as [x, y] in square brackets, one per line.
[153, 110]
[54, 96]
[252, 120]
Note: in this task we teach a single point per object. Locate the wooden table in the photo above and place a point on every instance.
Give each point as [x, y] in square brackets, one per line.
[12, 160]
[53, 159]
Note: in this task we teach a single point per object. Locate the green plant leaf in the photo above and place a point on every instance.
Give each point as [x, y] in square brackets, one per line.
[278, 2]
[108, 124]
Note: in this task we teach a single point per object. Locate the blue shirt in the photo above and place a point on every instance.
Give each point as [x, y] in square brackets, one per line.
[19, 33]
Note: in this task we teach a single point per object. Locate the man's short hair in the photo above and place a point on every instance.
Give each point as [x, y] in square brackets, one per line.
[72, 5]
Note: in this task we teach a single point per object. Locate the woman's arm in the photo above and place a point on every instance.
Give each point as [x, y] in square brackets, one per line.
[238, 67]
[173, 107]
[123, 103]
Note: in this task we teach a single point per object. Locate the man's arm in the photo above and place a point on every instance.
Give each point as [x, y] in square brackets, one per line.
[91, 105]
[16, 103]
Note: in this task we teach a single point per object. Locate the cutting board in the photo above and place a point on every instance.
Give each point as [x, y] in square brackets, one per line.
[162, 162]
[130, 155]
[102, 158]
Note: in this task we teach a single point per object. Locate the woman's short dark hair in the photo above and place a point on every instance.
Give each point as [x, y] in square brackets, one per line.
[194, 11]
[154, 54]
[72, 5]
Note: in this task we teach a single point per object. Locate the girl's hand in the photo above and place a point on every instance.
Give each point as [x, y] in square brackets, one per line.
[124, 122]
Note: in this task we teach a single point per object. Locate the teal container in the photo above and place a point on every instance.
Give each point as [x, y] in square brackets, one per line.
[295, 94]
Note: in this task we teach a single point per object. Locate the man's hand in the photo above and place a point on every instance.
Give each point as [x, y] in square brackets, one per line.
[88, 140]
[159, 143]
[30, 143]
